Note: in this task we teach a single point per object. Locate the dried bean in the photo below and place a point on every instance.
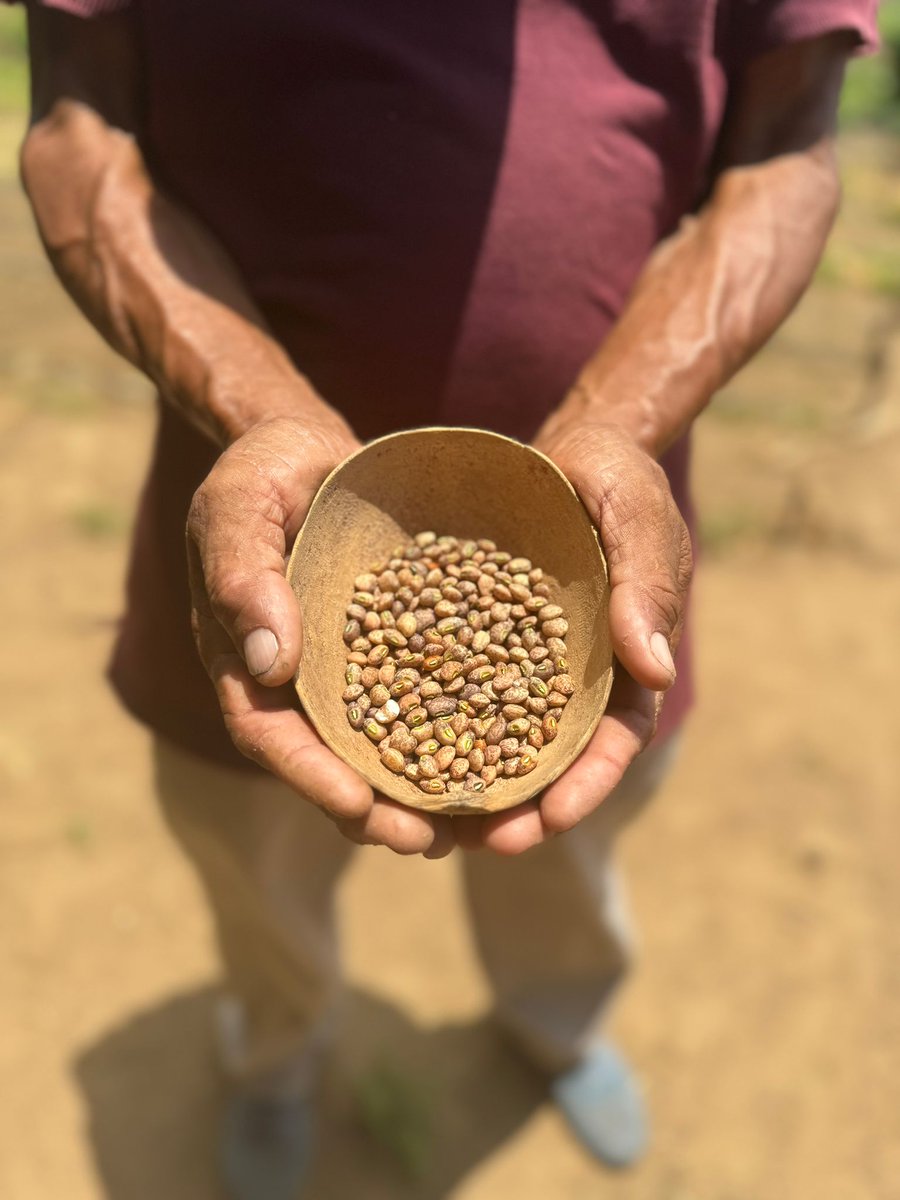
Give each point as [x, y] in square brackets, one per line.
[455, 656]
[550, 612]
[445, 757]
[408, 703]
[496, 733]
[557, 628]
[535, 737]
[428, 768]
[352, 631]
[434, 787]
[527, 763]
[443, 731]
[459, 768]
[402, 740]
[393, 759]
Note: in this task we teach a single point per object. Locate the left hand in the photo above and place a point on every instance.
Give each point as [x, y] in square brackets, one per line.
[648, 553]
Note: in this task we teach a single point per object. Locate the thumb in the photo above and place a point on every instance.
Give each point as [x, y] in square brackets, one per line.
[644, 636]
[239, 593]
[645, 540]
[648, 551]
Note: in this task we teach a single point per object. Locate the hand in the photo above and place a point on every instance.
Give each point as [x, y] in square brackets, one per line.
[248, 628]
[648, 553]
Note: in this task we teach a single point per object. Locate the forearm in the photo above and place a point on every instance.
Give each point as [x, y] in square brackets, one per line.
[710, 296]
[154, 282]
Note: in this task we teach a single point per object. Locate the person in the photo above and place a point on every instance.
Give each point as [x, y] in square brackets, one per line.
[570, 221]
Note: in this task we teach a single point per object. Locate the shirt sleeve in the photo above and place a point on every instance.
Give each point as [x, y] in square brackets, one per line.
[761, 25]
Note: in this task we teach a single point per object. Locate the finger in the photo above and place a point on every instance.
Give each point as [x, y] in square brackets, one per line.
[444, 838]
[236, 546]
[468, 830]
[403, 830]
[266, 727]
[509, 832]
[645, 540]
[623, 731]
[643, 635]
[649, 556]
[516, 829]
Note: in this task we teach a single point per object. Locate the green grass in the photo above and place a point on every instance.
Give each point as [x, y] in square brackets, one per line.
[872, 87]
[100, 521]
[60, 397]
[13, 61]
[871, 269]
[735, 407]
[723, 531]
[78, 833]
[396, 1111]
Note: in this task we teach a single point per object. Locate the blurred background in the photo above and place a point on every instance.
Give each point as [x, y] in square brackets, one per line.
[764, 1015]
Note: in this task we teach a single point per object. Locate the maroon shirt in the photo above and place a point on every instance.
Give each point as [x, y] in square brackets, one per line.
[439, 206]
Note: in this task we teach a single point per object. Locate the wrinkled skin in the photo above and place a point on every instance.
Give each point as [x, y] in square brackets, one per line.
[162, 291]
[243, 521]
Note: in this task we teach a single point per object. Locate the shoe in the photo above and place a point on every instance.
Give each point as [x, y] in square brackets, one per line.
[602, 1103]
[266, 1146]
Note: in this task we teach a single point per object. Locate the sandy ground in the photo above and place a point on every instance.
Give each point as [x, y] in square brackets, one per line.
[764, 1014]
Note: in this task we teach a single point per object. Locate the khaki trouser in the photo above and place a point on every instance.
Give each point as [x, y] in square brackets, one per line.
[550, 925]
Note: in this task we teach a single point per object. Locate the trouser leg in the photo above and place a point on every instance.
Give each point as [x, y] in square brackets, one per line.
[551, 925]
[269, 862]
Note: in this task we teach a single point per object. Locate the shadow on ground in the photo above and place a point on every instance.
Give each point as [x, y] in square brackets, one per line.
[152, 1093]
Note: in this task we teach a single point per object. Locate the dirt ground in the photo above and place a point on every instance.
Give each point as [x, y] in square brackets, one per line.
[764, 1015]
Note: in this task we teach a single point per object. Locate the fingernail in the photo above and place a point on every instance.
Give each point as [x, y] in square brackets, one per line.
[659, 648]
[260, 651]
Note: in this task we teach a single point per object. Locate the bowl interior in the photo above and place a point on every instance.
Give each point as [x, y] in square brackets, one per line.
[471, 484]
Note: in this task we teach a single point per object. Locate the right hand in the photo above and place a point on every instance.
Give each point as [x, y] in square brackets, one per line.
[247, 626]
[648, 552]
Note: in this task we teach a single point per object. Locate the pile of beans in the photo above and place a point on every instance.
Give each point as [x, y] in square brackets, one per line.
[456, 663]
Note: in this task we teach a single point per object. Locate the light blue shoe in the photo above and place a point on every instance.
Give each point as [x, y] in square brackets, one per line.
[602, 1103]
[266, 1147]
